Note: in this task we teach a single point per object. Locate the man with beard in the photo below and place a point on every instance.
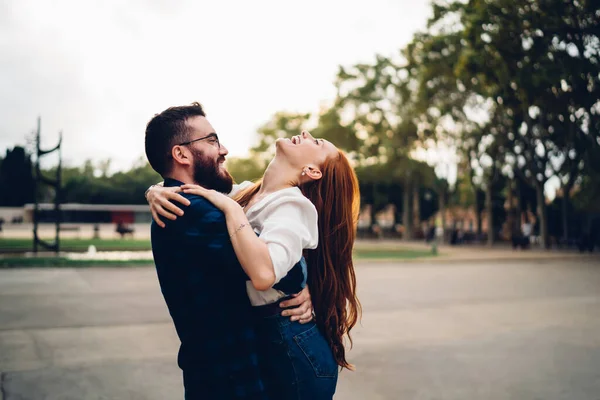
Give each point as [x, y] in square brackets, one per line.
[202, 282]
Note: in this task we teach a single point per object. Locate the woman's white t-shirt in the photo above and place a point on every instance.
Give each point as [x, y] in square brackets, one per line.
[287, 222]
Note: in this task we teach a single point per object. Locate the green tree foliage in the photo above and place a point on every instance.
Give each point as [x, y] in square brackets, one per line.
[16, 178]
[281, 125]
[92, 184]
[244, 169]
[531, 68]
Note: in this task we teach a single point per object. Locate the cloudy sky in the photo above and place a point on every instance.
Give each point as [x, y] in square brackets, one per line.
[99, 70]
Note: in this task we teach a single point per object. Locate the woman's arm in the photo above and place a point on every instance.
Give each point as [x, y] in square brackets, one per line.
[161, 200]
[285, 233]
[252, 253]
[299, 308]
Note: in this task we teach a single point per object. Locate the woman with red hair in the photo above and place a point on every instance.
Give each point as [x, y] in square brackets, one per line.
[306, 204]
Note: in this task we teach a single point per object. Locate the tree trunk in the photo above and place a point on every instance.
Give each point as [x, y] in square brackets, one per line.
[489, 206]
[519, 204]
[442, 207]
[407, 211]
[511, 218]
[372, 209]
[372, 214]
[397, 216]
[565, 213]
[478, 214]
[542, 214]
[416, 211]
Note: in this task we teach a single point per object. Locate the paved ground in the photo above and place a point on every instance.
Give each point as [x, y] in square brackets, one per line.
[436, 330]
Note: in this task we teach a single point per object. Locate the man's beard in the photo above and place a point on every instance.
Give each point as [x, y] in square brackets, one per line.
[208, 174]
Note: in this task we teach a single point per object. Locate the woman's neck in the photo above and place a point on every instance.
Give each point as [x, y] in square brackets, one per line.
[275, 178]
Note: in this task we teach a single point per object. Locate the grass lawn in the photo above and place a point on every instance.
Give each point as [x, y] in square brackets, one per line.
[76, 245]
[399, 254]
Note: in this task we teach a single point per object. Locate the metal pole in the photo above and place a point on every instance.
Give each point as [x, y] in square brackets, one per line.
[36, 183]
[57, 197]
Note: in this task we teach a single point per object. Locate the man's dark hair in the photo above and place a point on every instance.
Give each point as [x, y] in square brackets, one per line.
[166, 130]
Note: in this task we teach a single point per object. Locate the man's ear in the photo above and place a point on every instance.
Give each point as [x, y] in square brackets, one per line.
[312, 172]
[181, 155]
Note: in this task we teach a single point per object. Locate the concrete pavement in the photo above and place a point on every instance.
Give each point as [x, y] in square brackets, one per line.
[443, 330]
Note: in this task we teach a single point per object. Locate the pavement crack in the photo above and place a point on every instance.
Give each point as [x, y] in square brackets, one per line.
[36, 346]
[2, 390]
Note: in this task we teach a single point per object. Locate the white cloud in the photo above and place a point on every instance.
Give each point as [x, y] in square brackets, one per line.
[100, 69]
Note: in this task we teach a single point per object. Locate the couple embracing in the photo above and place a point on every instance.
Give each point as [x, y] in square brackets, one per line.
[242, 267]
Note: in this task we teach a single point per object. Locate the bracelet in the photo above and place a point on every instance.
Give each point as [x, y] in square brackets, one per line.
[239, 228]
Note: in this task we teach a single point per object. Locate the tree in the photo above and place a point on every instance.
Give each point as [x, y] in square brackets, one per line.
[84, 185]
[244, 169]
[381, 126]
[522, 57]
[16, 178]
[330, 127]
[453, 108]
[281, 125]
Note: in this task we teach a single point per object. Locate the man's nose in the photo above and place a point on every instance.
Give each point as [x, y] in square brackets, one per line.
[223, 150]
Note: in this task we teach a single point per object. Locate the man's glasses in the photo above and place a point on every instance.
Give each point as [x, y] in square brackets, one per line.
[212, 139]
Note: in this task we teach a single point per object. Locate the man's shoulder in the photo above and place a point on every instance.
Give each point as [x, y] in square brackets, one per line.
[200, 207]
[199, 211]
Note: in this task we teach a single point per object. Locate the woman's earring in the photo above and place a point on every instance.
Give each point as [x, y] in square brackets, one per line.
[303, 173]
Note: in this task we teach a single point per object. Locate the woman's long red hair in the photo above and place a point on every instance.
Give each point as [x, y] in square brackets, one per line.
[331, 276]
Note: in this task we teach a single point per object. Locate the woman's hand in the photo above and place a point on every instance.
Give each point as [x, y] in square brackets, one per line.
[160, 197]
[219, 200]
